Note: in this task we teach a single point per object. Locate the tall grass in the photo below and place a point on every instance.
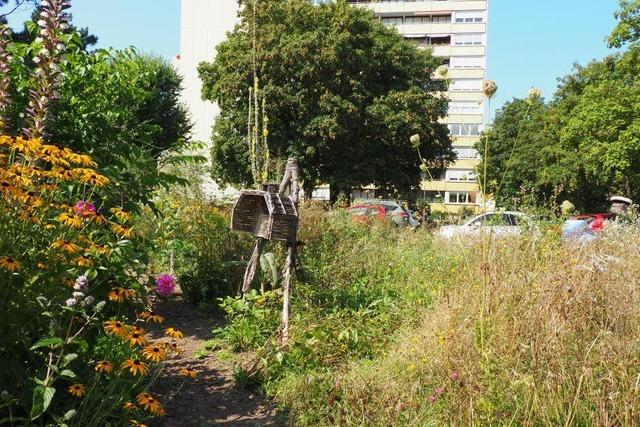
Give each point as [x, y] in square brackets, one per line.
[397, 328]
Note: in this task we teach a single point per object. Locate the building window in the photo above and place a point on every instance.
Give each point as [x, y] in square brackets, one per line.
[468, 40]
[470, 17]
[467, 62]
[461, 175]
[464, 129]
[458, 197]
[466, 85]
[433, 197]
[465, 107]
[466, 153]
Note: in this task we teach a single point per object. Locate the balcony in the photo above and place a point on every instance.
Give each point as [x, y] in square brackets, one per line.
[409, 6]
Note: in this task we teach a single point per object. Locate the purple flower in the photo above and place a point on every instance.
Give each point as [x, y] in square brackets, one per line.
[432, 399]
[71, 302]
[440, 391]
[455, 376]
[81, 283]
[84, 208]
[165, 284]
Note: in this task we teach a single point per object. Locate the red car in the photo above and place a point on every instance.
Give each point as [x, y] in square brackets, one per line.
[595, 222]
[364, 213]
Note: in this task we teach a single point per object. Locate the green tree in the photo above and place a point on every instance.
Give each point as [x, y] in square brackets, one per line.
[343, 95]
[121, 107]
[628, 28]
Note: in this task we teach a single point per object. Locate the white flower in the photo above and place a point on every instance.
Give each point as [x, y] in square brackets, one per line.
[78, 295]
[81, 283]
[71, 302]
[87, 301]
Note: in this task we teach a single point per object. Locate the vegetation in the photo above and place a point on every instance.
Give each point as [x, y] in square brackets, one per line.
[342, 93]
[75, 283]
[582, 145]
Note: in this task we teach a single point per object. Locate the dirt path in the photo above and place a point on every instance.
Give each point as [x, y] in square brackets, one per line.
[212, 398]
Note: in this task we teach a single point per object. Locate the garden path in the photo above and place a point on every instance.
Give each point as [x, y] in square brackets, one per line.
[212, 398]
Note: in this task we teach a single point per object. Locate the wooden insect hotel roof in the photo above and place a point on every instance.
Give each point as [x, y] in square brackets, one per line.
[265, 214]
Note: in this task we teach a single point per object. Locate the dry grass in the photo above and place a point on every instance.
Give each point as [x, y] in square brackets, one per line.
[541, 334]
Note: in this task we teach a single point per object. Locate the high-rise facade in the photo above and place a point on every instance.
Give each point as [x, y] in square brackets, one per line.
[456, 31]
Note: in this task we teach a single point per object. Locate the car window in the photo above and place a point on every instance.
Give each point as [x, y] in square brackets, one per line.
[511, 219]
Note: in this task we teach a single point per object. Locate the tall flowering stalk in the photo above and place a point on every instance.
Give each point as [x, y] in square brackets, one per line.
[53, 20]
[5, 81]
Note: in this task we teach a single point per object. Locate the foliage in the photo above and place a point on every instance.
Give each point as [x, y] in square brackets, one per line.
[343, 95]
[119, 106]
[628, 28]
[192, 237]
[582, 146]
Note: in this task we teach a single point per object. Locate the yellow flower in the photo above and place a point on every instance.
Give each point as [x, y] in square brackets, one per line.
[173, 333]
[137, 329]
[135, 367]
[122, 231]
[129, 406]
[151, 316]
[66, 246]
[149, 403]
[76, 389]
[135, 423]
[104, 366]
[94, 178]
[189, 373]
[84, 261]
[173, 347]
[154, 353]
[10, 264]
[79, 159]
[120, 214]
[115, 327]
[116, 295]
[136, 338]
[72, 221]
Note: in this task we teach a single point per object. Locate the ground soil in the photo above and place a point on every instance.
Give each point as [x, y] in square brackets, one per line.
[212, 398]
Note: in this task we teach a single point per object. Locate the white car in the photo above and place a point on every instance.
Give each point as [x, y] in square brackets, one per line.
[491, 223]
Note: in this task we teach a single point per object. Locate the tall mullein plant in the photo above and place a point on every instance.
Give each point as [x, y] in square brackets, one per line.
[53, 20]
[5, 81]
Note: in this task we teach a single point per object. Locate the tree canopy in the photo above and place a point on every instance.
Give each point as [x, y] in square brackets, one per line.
[342, 92]
[584, 145]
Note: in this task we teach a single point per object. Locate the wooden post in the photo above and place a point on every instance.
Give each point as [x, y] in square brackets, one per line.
[250, 272]
[290, 181]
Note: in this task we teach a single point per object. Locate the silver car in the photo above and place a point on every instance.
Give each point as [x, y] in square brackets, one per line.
[506, 223]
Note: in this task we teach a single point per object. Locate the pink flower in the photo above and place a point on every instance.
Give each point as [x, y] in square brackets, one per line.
[455, 376]
[165, 284]
[440, 391]
[84, 208]
[432, 399]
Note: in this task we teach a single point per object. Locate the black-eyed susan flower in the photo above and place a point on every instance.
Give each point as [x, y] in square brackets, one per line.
[10, 264]
[76, 389]
[173, 347]
[136, 338]
[116, 295]
[151, 316]
[129, 406]
[173, 333]
[94, 178]
[103, 366]
[135, 423]
[122, 231]
[69, 220]
[120, 214]
[149, 403]
[138, 329]
[65, 246]
[83, 261]
[188, 372]
[115, 327]
[135, 367]
[154, 353]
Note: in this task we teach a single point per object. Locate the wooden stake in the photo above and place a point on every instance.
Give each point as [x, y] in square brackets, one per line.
[250, 272]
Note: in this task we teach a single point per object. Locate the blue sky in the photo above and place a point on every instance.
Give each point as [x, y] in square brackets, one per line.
[531, 42]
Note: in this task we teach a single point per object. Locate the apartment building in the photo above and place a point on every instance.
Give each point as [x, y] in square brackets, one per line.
[456, 31]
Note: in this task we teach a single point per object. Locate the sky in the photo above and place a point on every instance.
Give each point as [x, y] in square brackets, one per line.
[531, 42]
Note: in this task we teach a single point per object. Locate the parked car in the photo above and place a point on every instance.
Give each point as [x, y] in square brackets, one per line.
[583, 228]
[392, 209]
[364, 213]
[494, 223]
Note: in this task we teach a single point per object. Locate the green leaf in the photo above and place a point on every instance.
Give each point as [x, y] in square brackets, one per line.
[68, 373]
[52, 342]
[68, 359]
[42, 397]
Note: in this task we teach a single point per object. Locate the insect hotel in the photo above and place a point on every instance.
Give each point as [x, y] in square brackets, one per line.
[266, 214]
